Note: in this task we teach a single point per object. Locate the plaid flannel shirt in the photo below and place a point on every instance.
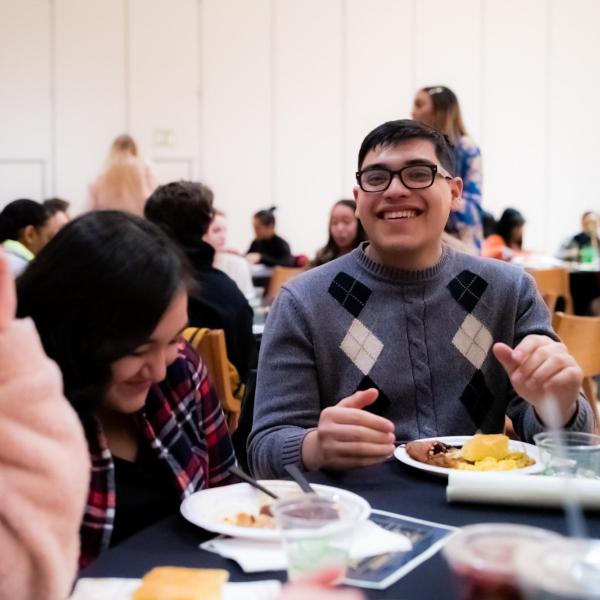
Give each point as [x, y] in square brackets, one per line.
[183, 422]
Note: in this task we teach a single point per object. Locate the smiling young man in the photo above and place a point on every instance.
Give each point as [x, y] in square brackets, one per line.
[404, 338]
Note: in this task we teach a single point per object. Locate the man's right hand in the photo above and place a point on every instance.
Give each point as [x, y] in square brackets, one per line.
[348, 437]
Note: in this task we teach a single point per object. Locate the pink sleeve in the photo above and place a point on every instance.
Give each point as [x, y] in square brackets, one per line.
[44, 472]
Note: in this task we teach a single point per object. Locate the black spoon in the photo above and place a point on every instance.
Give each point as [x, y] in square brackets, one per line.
[237, 471]
[297, 475]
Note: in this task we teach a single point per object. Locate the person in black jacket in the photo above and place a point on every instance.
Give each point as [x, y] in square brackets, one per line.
[268, 248]
[184, 211]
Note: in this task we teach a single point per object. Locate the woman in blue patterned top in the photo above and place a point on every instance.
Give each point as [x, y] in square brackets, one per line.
[438, 106]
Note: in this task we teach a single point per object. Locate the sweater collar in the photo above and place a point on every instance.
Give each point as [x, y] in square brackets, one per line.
[394, 274]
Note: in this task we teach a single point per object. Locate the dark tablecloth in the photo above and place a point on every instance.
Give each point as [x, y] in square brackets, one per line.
[391, 486]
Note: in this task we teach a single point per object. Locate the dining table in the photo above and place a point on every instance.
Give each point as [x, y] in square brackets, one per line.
[390, 486]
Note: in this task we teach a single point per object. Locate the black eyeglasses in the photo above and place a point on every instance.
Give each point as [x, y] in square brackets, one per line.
[413, 177]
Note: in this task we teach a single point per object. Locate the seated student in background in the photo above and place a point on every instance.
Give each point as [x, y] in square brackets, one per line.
[58, 211]
[507, 240]
[24, 230]
[44, 466]
[404, 338]
[268, 248]
[225, 260]
[109, 299]
[345, 232]
[588, 238]
[184, 211]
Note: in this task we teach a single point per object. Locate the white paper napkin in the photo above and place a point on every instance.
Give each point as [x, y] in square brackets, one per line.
[114, 588]
[256, 556]
[510, 488]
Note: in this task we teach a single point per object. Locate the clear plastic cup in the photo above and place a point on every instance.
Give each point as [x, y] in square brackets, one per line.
[566, 569]
[483, 558]
[318, 532]
[569, 453]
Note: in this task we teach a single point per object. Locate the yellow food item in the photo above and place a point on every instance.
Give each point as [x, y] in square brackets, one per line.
[179, 583]
[482, 447]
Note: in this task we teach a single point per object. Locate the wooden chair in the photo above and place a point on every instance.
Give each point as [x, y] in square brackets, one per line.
[210, 345]
[280, 276]
[581, 336]
[554, 284]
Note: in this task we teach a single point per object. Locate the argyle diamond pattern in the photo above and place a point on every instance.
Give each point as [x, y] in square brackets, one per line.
[350, 293]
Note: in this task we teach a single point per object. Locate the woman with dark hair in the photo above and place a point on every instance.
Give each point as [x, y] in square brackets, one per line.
[24, 232]
[438, 107]
[268, 248]
[345, 232]
[109, 299]
[507, 241]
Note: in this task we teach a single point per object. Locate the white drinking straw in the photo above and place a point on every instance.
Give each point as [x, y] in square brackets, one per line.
[573, 512]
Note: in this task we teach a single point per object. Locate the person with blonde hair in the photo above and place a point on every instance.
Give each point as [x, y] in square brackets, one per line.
[437, 106]
[126, 182]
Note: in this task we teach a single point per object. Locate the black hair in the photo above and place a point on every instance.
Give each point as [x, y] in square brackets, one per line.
[56, 205]
[183, 210]
[510, 219]
[331, 249]
[96, 292]
[396, 132]
[266, 217]
[19, 214]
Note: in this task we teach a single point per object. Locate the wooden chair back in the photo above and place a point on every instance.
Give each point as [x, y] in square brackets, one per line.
[211, 348]
[279, 276]
[552, 285]
[581, 336]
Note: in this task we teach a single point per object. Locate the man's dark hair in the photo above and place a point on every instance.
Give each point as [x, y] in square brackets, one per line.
[183, 210]
[19, 214]
[396, 132]
[266, 217]
[56, 205]
[96, 292]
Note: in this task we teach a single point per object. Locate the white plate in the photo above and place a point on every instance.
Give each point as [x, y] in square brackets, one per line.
[209, 508]
[458, 440]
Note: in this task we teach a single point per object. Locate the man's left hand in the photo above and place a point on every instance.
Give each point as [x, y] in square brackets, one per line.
[540, 368]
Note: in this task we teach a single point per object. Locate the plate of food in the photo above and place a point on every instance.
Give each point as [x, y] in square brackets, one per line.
[480, 452]
[241, 511]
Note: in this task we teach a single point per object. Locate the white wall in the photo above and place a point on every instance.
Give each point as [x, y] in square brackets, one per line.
[268, 100]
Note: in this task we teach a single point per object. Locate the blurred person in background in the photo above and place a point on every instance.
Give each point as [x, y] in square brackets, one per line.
[126, 182]
[184, 211]
[507, 241]
[58, 212]
[438, 107]
[108, 297]
[345, 232]
[228, 261]
[25, 228]
[44, 465]
[268, 248]
[588, 238]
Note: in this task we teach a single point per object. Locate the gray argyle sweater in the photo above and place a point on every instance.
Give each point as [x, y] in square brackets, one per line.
[422, 338]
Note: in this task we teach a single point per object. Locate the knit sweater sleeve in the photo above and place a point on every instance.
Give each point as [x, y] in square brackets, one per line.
[533, 319]
[287, 402]
[44, 472]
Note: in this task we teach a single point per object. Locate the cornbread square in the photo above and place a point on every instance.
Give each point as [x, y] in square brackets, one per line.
[179, 583]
